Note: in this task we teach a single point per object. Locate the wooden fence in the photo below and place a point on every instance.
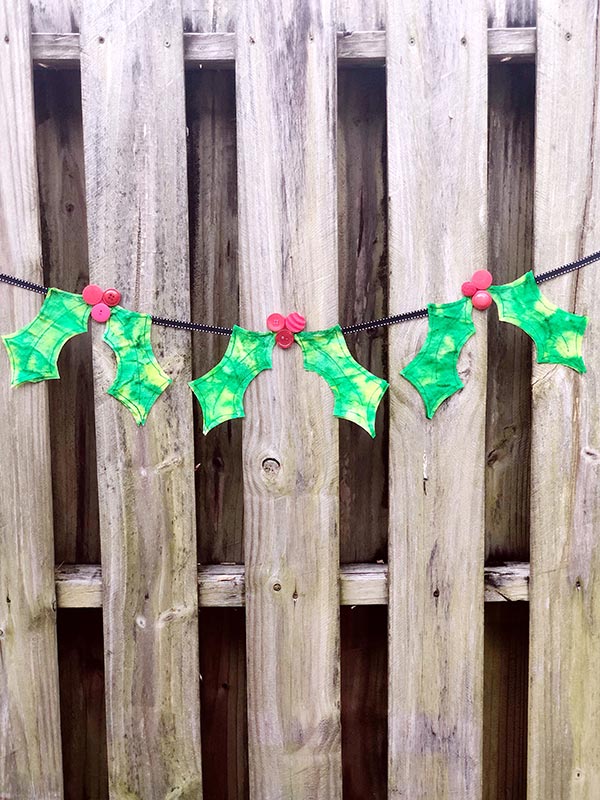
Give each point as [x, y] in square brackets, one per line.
[230, 159]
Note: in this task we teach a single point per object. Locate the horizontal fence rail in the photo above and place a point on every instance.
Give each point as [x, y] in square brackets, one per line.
[360, 48]
[223, 585]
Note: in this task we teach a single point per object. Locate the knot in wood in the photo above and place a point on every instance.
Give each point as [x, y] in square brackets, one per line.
[271, 465]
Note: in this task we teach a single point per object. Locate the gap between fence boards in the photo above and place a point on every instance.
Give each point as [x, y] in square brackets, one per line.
[217, 50]
[221, 585]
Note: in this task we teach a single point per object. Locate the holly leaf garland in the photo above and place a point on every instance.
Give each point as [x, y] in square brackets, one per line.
[558, 334]
[220, 391]
[140, 380]
[433, 371]
[33, 350]
[356, 391]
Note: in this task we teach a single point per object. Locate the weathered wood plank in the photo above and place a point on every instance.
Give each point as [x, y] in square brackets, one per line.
[30, 752]
[437, 137]
[564, 748]
[286, 115]
[82, 706]
[135, 156]
[220, 585]
[355, 48]
[505, 702]
[508, 419]
[55, 16]
[511, 44]
[224, 716]
[511, 13]
[364, 702]
[64, 245]
[213, 254]
[362, 285]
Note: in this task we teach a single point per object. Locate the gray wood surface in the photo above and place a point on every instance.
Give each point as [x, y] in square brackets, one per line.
[64, 244]
[564, 696]
[286, 122]
[135, 157]
[30, 747]
[437, 163]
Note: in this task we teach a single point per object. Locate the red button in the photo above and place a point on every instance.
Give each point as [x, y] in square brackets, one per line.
[100, 312]
[482, 279]
[92, 294]
[112, 297]
[285, 339]
[468, 288]
[276, 322]
[482, 300]
[295, 322]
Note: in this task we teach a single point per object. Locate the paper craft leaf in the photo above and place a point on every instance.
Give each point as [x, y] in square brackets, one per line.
[558, 334]
[221, 391]
[140, 380]
[433, 371]
[33, 351]
[356, 391]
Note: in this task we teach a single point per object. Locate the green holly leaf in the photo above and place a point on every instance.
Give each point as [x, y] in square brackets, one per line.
[433, 371]
[558, 334]
[33, 351]
[220, 392]
[356, 391]
[140, 380]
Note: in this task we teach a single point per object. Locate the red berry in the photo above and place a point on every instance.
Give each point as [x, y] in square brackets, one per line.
[482, 279]
[285, 338]
[100, 312]
[468, 288]
[112, 297]
[482, 300]
[92, 294]
[295, 322]
[275, 322]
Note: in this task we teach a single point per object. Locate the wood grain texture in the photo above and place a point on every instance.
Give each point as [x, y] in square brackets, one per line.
[64, 245]
[209, 16]
[223, 585]
[510, 243]
[357, 15]
[30, 752]
[436, 89]
[505, 702]
[286, 123]
[508, 421]
[55, 16]
[564, 749]
[362, 285]
[80, 654]
[511, 13]
[213, 253]
[224, 717]
[217, 50]
[364, 702]
[135, 156]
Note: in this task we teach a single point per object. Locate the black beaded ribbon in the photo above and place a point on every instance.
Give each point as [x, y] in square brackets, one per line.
[354, 328]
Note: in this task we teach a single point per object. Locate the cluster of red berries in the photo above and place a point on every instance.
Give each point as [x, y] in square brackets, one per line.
[101, 301]
[285, 327]
[476, 289]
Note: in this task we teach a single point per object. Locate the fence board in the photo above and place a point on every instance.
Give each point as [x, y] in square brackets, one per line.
[564, 749]
[135, 155]
[64, 243]
[363, 295]
[437, 80]
[30, 753]
[213, 254]
[286, 112]
[508, 428]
